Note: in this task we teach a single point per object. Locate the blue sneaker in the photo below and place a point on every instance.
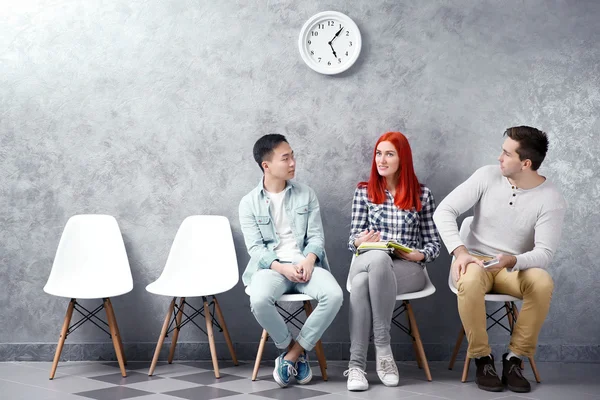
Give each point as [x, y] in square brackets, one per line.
[304, 374]
[283, 371]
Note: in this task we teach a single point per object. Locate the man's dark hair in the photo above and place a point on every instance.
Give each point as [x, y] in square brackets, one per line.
[533, 144]
[263, 148]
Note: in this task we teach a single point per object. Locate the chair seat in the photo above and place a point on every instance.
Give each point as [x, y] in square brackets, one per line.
[428, 290]
[488, 297]
[184, 289]
[288, 296]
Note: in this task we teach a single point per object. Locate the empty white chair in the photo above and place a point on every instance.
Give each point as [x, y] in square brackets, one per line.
[412, 330]
[291, 318]
[90, 263]
[202, 262]
[508, 310]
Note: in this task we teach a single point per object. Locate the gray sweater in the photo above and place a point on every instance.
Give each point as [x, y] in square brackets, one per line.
[507, 219]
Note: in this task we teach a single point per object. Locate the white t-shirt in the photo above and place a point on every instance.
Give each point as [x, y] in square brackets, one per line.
[287, 250]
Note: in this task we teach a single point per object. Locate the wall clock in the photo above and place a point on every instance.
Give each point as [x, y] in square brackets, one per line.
[330, 42]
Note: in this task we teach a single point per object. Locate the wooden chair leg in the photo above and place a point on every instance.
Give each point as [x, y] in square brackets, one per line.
[114, 329]
[509, 306]
[465, 373]
[261, 348]
[516, 311]
[319, 347]
[62, 337]
[535, 371]
[225, 331]
[459, 340]
[119, 335]
[308, 309]
[415, 331]
[176, 330]
[417, 355]
[211, 338]
[161, 338]
[415, 348]
[321, 359]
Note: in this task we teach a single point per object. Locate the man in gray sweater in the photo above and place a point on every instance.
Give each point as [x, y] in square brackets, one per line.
[518, 217]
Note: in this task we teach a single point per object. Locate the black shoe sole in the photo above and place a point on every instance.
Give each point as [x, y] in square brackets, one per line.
[491, 388]
[518, 389]
[515, 388]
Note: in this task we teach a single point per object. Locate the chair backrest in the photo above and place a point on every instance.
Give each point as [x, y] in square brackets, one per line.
[465, 228]
[202, 260]
[91, 261]
[348, 283]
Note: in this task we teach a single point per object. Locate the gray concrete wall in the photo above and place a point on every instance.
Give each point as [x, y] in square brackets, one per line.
[148, 111]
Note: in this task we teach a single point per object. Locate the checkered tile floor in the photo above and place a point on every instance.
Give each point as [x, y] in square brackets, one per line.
[196, 380]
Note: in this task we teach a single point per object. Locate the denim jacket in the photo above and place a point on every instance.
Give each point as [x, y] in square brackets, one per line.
[258, 227]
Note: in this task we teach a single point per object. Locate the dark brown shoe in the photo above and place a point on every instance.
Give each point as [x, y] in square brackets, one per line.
[512, 375]
[486, 376]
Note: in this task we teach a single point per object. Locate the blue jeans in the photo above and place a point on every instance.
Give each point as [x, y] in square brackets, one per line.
[267, 286]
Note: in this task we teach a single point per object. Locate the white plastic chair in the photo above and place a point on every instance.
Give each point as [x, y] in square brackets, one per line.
[509, 308]
[202, 262]
[412, 330]
[90, 263]
[291, 318]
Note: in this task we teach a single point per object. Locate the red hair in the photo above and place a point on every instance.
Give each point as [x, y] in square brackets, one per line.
[408, 189]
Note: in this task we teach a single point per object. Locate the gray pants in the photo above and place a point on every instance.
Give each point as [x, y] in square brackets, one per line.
[376, 279]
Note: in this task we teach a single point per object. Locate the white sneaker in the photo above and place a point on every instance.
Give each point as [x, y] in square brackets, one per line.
[387, 370]
[357, 381]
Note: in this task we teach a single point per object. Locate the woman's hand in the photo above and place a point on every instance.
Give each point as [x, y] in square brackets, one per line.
[414, 255]
[367, 236]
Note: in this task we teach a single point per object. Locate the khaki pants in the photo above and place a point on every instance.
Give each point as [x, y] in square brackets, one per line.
[533, 285]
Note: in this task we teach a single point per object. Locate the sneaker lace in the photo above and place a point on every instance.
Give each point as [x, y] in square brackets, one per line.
[355, 373]
[516, 369]
[291, 371]
[489, 370]
[388, 365]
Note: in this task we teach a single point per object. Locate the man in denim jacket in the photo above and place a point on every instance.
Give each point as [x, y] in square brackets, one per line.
[283, 232]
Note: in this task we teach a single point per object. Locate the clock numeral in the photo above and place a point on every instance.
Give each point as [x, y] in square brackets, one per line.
[347, 33]
[314, 33]
[328, 62]
[309, 42]
[350, 44]
[319, 59]
[312, 53]
[321, 26]
[346, 53]
[330, 23]
[340, 26]
[339, 60]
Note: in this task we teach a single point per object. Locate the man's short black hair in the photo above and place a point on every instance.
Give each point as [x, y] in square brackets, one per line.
[263, 148]
[533, 144]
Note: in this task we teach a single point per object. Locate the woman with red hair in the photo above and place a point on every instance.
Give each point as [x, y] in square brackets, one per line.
[392, 205]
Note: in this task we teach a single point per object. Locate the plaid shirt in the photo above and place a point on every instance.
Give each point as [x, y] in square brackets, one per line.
[408, 227]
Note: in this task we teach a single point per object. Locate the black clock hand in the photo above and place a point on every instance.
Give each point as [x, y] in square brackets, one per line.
[337, 34]
[331, 41]
[332, 49]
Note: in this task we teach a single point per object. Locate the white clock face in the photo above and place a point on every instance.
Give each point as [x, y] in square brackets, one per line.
[330, 42]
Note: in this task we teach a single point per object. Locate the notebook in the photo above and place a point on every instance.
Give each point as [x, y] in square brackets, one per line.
[388, 246]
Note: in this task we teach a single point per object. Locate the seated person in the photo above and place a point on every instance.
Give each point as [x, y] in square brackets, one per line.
[518, 217]
[392, 205]
[282, 228]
